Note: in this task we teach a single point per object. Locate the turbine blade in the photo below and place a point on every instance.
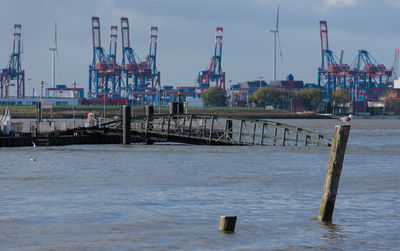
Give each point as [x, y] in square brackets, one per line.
[277, 19]
[280, 49]
[55, 35]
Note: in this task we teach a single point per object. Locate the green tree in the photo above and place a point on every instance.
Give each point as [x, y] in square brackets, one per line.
[214, 96]
[269, 96]
[392, 104]
[311, 97]
[340, 97]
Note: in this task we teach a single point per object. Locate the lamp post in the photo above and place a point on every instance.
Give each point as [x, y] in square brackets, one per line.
[7, 85]
[73, 101]
[29, 87]
[40, 101]
[41, 90]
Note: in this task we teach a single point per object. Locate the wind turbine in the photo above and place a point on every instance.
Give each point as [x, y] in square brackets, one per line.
[54, 53]
[276, 35]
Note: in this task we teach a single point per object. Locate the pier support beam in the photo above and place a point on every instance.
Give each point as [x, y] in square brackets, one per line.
[333, 172]
[126, 124]
[229, 130]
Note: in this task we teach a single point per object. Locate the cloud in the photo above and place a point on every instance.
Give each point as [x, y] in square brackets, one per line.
[341, 3]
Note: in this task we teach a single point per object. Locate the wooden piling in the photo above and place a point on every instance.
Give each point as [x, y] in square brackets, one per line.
[180, 108]
[149, 110]
[333, 171]
[227, 224]
[126, 124]
[173, 109]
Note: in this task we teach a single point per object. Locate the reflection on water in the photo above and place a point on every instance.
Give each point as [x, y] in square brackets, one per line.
[171, 196]
[334, 232]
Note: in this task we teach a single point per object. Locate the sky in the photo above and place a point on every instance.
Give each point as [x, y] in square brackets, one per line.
[186, 35]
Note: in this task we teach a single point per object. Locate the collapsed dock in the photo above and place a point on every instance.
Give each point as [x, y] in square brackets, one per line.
[175, 128]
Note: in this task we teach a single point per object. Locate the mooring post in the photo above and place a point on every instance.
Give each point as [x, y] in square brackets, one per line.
[335, 163]
[126, 124]
[262, 134]
[211, 130]
[227, 224]
[240, 132]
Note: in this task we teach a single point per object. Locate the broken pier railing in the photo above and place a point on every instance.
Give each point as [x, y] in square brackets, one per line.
[218, 130]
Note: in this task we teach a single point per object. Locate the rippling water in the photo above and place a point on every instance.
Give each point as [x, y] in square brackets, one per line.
[164, 197]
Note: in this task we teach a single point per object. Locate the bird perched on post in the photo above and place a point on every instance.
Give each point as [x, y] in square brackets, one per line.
[346, 118]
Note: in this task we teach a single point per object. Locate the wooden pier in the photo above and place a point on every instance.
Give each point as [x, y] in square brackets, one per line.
[179, 128]
[217, 130]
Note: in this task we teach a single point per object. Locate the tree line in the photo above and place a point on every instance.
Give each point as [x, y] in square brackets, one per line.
[279, 98]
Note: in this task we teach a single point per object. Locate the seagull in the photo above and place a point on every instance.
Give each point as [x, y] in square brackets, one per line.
[33, 159]
[34, 145]
[346, 118]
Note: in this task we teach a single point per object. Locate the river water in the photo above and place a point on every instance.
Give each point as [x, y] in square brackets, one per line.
[170, 197]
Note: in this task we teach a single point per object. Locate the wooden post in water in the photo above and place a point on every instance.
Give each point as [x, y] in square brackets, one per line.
[126, 124]
[333, 171]
[227, 224]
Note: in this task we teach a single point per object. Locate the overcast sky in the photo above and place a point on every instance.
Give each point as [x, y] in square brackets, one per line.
[186, 35]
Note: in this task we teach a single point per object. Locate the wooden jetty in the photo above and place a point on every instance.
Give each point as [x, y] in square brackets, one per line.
[179, 128]
[217, 130]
